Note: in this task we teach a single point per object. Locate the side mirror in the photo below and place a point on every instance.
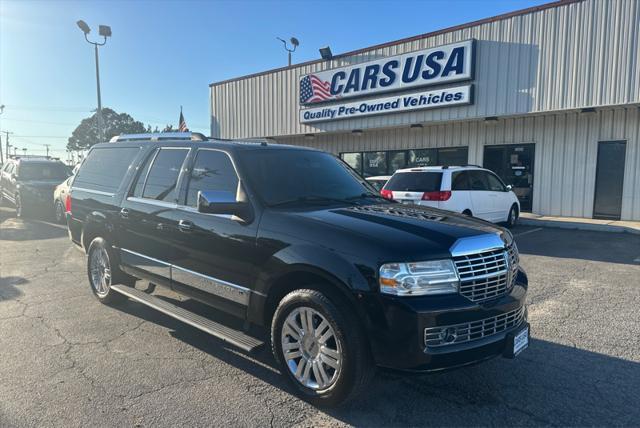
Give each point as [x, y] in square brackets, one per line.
[223, 202]
[509, 187]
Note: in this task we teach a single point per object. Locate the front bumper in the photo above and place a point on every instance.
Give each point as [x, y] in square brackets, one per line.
[402, 327]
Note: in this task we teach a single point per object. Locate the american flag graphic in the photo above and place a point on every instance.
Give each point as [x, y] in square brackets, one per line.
[314, 89]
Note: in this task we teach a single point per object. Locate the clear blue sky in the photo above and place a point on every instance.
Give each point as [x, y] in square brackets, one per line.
[164, 54]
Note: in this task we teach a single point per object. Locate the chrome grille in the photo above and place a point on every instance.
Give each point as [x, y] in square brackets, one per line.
[467, 332]
[487, 275]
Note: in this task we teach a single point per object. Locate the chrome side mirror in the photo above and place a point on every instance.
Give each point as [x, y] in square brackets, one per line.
[509, 187]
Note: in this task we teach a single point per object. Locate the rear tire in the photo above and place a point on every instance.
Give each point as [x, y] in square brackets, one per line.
[512, 219]
[102, 272]
[328, 363]
[467, 213]
[59, 213]
[21, 210]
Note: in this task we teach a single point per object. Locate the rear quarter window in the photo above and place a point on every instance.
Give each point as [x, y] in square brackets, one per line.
[105, 168]
[415, 182]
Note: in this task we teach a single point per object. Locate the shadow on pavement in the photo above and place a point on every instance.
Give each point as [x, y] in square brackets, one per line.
[623, 248]
[548, 384]
[16, 229]
[8, 289]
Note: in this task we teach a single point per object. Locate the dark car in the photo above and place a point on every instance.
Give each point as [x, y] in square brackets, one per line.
[292, 242]
[28, 183]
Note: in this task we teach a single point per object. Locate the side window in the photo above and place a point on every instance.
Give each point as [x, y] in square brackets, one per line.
[104, 168]
[460, 181]
[142, 175]
[212, 170]
[478, 180]
[163, 175]
[495, 185]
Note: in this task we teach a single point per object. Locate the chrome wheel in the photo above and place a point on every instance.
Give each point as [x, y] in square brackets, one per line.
[311, 349]
[100, 270]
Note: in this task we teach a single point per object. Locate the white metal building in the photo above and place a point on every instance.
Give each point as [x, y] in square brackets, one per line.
[548, 97]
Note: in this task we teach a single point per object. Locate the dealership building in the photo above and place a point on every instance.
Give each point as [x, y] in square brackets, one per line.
[547, 97]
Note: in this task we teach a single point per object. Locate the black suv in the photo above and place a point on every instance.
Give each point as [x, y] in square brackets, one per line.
[292, 240]
[28, 183]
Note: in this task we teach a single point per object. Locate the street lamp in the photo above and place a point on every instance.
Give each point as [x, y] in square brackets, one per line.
[104, 31]
[294, 42]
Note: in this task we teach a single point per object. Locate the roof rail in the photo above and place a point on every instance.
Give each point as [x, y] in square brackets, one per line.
[160, 136]
[32, 157]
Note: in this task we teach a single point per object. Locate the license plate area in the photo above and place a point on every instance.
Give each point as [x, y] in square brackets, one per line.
[517, 342]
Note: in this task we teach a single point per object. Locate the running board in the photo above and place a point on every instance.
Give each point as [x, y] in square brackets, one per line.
[224, 333]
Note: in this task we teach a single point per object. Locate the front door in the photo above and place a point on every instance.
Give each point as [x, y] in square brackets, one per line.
[609, 180]
[513, 163]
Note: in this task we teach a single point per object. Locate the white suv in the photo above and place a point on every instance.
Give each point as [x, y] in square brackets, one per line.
[464, 189]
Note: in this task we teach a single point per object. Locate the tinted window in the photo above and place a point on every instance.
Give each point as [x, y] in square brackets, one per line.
[285, 175]
[43, 171]
[460, 181]
[375, 163]
[415, 182]
[105, 167]
[354, 160]
[495, 184]
[163, 175]
[212, 170]
[142, 175]
[478, 180]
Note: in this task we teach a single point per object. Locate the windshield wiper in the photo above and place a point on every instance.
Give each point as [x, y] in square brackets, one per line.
[312, 199]
[367, 195]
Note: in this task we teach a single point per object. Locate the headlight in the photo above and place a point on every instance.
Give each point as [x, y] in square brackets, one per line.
[419, 278]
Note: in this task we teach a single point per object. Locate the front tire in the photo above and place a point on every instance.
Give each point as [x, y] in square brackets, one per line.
[21, 212]
[101, 271]
[321, 348]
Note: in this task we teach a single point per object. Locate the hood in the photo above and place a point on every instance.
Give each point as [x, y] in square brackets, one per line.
[407, 232]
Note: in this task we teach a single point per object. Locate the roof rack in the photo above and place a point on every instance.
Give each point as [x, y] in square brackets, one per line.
[16, 157]
[160, 136]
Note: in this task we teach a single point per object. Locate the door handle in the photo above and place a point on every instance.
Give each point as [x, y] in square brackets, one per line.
[185, 225]
[124, 213]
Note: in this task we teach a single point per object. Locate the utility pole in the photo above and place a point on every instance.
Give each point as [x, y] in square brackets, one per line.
[7, 145]
[1, 157]
[47, 147]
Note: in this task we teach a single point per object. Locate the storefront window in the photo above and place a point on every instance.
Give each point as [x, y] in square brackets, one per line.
[397, 160]
[375, 163]
[423, 157]
[354, 160]
[453, 156]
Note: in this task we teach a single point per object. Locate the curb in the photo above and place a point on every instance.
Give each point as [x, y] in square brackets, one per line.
[611, 228]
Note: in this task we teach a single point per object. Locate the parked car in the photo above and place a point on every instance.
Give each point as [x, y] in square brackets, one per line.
[469, 190]
[378, 181]
[60, 195]
[28, 183]
[290, 241]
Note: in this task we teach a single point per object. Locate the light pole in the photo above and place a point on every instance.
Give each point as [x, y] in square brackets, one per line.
[104, 31]
[1, 156]
[294, 42]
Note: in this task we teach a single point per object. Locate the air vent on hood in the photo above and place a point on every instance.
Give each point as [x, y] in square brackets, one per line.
[404, 211]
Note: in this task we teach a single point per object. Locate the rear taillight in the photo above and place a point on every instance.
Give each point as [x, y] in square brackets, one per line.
[387, 194]
[67, 203]
[436, 196]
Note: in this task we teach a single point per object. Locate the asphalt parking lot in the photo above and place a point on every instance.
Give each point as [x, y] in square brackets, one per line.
[66, 360]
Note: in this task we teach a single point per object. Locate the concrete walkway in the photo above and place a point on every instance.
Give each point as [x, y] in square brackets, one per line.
[528, 219]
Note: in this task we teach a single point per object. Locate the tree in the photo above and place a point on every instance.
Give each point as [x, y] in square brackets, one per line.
[86, 134]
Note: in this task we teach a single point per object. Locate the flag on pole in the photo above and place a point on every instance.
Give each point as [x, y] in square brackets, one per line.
[182, 125]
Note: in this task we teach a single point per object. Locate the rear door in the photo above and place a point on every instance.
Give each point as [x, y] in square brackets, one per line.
[482, 199]
[148, 214]
[409, 187]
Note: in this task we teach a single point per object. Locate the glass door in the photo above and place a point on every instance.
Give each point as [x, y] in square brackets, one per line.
[513, 163]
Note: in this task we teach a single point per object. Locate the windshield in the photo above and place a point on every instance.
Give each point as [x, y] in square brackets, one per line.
[281, 176]
[43, 171]
[415, 182]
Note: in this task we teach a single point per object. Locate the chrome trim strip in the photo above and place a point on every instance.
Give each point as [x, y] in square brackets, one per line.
[149, 264]
[152, 202]
[97, 192]
[211, 285]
